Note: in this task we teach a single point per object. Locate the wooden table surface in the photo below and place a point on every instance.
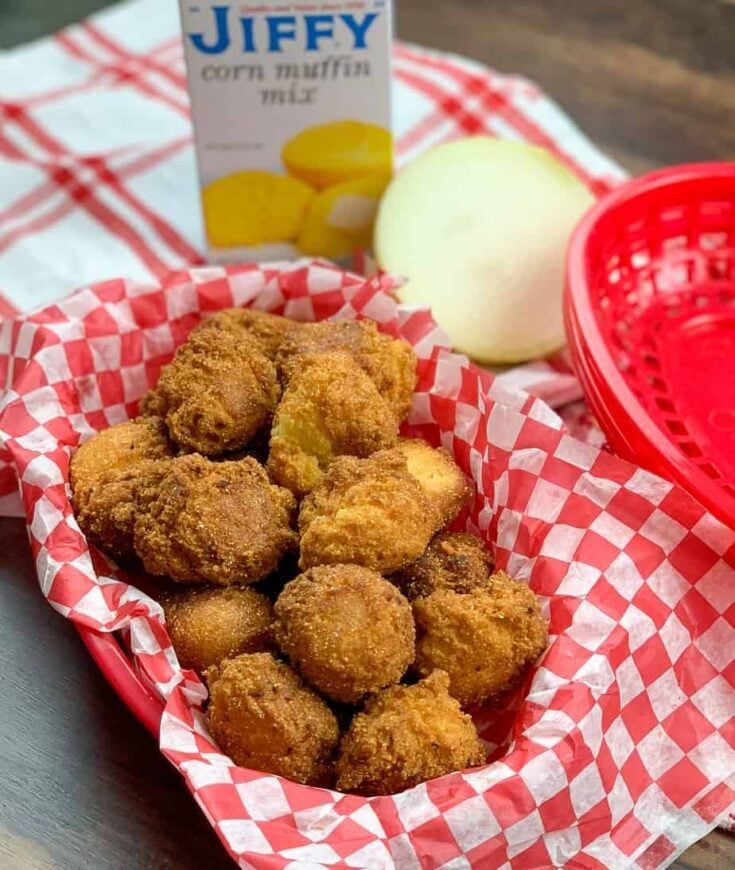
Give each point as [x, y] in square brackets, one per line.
[81, 783]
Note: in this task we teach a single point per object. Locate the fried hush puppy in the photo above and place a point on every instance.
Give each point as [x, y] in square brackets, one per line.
[209, 625]
[114, 450]
[406, 735]
[389, 362]
[329, 408]
[107, 474]
[368, 512]
[110, 512]
[269, 330]
[222, 522]
[453, 560]
[483, 638]
[378, 511]
[441, 479]
[263, 716]
[346, 629]
[217, 393]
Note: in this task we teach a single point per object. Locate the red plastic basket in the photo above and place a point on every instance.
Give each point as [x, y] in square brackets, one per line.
[116, 665]
[650, 315]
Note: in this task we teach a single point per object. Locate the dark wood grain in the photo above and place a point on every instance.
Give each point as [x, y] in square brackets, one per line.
[81, 783]
[651, 81]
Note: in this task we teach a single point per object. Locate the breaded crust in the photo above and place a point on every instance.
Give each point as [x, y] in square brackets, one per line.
[369, 512]
[263, 716]
[114, 450]
[441, 479]
[209, 625]
[453, 560]
[107, 473]
[217, 392]
[329, 408]
[483, 638]
[268, 329]
[346, 629]
[406, 735]
[222, 522]
[109, 513]
[390, 362]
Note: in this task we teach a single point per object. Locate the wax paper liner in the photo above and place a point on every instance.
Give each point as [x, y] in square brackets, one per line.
[615, 752]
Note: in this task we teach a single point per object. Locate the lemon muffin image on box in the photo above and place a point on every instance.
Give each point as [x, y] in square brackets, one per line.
[340, 218]
[254, 208]
[325, 204]
[328, 154]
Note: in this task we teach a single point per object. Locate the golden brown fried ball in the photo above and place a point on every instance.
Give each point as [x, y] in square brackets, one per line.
[390, 362]
[406, 735]
[369, 512]
[222, 522]
[268, 329]
[329, 408]
[209, 625]
[453, 560]
[217, 392]
[109, 513]
[263, 716]
[114, 450]
[441, 479]
[347, 630]
[483, 638]
[106, 473]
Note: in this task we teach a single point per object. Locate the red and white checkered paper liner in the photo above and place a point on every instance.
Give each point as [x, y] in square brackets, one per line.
[618, 750]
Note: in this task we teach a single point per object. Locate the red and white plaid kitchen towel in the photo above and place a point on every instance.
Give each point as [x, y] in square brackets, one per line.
[97, 168]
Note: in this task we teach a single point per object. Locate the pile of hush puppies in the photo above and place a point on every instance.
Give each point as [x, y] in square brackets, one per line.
[340, 627]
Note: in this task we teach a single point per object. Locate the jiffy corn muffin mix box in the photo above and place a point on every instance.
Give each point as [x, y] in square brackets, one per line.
[291, 109]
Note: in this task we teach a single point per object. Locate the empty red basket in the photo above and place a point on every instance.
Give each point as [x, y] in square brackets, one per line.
[650, 314]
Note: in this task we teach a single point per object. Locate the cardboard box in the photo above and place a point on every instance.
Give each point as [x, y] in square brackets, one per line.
[291, 109]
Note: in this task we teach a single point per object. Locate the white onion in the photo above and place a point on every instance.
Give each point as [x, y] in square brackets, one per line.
[479, 227]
